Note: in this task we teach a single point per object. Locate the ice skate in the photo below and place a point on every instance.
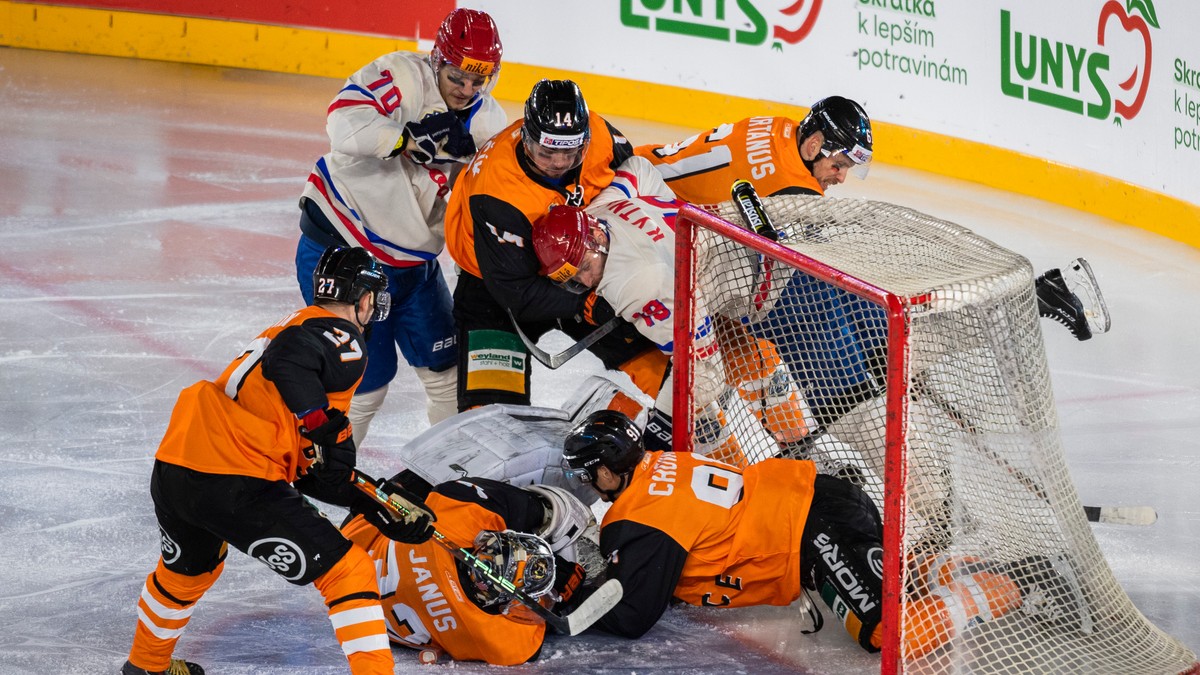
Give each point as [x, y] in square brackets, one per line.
[1050, 591]
[177, 667]
[1072, 297]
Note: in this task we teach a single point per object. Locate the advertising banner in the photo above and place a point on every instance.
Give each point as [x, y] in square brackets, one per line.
[1109, 86]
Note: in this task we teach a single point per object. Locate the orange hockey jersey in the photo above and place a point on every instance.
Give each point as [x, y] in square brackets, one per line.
[498, 197]
[763, 150]
[706, 533]
[423, 597]
[246, 422]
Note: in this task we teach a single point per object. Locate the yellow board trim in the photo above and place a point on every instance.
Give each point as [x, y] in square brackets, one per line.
[332, 54]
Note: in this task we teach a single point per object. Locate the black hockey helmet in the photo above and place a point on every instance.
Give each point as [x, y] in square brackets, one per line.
[344, 274]
[556, 116]
[845, 126]
[604, 438]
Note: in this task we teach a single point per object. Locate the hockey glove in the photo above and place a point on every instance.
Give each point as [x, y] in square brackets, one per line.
[414, 528]
[422, 139]
[568, 577]
[333, 455]
[459, 143]
[596, 310]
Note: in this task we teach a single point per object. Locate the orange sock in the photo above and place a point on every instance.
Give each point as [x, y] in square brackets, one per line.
[763, 382]
[968, 600]
[720, 442]
[352, 596]
[647, 371]
[164, 609]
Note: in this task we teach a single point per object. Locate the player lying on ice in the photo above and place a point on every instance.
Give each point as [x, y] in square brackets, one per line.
[621, 248]
[439, 605]
[720, 536]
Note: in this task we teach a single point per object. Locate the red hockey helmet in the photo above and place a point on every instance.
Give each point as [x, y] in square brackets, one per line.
[468, 39]
[560, 239]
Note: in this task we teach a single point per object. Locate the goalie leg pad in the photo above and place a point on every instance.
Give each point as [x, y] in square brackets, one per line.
[493, 368]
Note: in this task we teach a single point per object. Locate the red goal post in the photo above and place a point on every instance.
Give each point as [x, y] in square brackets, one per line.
[909, 348]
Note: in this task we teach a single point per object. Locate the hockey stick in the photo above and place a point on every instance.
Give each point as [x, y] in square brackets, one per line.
[553, 361]
[1121, 515]
[1113, 515]
[588, 612]
[745, 197]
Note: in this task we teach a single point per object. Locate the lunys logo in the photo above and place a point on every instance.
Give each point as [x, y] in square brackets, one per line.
[747, 25]
[1109, 78]
[1133, 18]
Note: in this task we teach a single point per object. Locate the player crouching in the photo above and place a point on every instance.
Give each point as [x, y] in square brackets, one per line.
[440, 606]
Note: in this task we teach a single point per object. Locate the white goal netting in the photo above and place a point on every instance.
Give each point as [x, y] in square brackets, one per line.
[905, 353]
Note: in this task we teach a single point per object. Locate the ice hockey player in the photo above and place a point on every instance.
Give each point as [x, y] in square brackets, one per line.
[718, 536]
[239, 456]
[400, 131]
[622, 248]
[781, 156]
[441, 606]
[560, 153]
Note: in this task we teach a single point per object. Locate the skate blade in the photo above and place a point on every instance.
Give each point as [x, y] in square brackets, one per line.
[1082, 282]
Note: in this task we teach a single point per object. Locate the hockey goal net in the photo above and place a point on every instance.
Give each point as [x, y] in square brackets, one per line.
[904, 353]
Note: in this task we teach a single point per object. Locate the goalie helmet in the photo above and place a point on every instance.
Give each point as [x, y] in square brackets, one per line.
[344, 274]
[845, 126]
[468, 40]
[561, 237]
[604, 438]
[523, 560]
[556, 117]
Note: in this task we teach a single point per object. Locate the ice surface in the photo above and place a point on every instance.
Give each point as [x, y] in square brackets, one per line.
[147, 232]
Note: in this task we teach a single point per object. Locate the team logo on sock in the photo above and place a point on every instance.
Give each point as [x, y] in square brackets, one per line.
[281, 555]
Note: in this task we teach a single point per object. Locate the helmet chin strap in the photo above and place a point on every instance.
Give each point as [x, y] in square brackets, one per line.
[808, 163]
[364, 326]
[611, 495]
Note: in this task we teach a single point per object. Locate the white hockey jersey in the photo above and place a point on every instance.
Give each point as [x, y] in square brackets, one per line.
[393, 207]
[639, 275]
